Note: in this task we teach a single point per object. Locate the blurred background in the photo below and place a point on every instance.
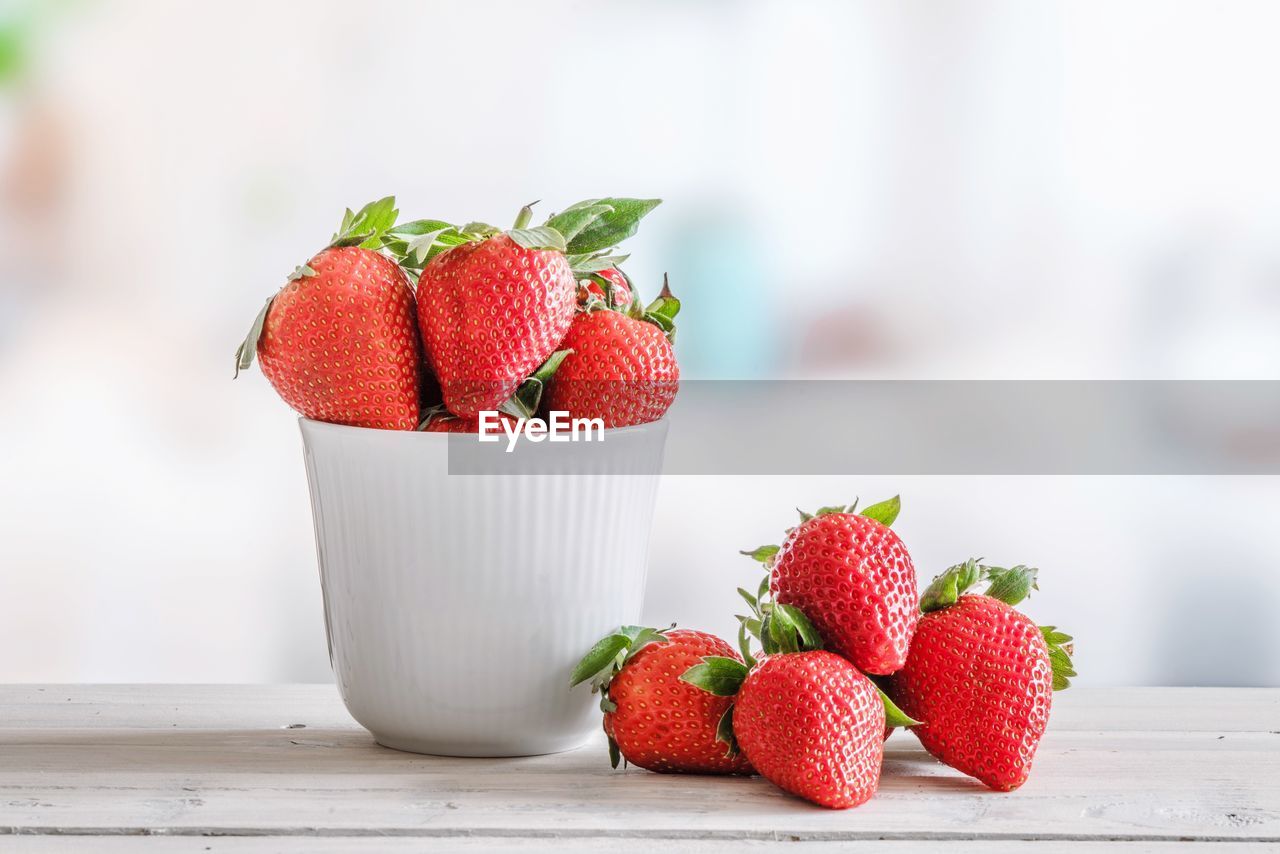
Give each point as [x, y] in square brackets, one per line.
[906, 189]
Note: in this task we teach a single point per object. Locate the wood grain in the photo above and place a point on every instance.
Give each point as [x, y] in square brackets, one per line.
[1146, 767]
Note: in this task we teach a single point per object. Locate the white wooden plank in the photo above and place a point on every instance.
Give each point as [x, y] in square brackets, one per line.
[365, 845]
[209, 760]
[267, 706]
[1085, 785]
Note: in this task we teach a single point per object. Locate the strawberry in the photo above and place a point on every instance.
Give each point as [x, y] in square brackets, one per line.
[440, 420]
[653, 719]
[491, 311]
[812, 724]
[620, 369]
[609, 286]
[339, 341]
[853, 577]
[493, 305]
[807, 720]
[981, 675]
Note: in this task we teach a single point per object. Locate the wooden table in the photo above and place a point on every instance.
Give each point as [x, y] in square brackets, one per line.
[267, 768]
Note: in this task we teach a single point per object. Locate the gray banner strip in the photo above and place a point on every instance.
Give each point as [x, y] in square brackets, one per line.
[1147, 427]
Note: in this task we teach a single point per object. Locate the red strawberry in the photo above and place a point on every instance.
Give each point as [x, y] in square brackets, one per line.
[492, 311]
[609, 286]
[440, 420]
[339, 341]
[853, 578]
[813, 725]
[652, 718]
[981, 675]
[805, 718]
[619, 369]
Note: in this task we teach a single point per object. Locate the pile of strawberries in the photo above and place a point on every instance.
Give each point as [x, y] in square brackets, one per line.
[425, 324]
[849, 650]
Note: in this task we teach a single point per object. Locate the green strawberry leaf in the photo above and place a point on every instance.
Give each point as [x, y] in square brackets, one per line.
[666, 305]
[837, 508]
[791, 630]
[479, 229]
[724, 732]
[893, 716]
[599, 658]
[611, 228]
[366, 228]
[585, 203]
[744, 640]
[1059, 656]
[418, 250]
[302, 271]
[762, 553]
[525, 216]
[615, 755]
[594, 263]
[249, 346]
[717, 674]
[804, 517]
[751, 600]
[885, 512]
[418, 227]
[946, 588]
[528, 397]
[541, 237]
[1012, 585]
[643, 638]
[661, 321]
[606, 657]
[1053, 636]
[571, 222]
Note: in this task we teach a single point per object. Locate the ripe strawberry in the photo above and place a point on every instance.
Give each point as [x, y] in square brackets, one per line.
[440, 420]
[852, 576]
[493, 305]
[609, 286]
[981, 675]
[805, 718]
[653, 719]
[812, 724]
[491, 311]
[339, 341]
[619, 369]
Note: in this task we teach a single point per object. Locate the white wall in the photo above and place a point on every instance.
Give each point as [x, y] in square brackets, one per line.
[853, 189]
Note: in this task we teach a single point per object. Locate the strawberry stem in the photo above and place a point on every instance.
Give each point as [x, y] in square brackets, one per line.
[525, 216]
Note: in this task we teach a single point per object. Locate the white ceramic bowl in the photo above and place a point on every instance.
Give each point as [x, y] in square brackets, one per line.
[457, 605]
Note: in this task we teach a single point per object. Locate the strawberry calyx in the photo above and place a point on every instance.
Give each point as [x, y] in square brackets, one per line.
[367, 227]
[662, 311]
[249, 346]
[610, 654]
[593, 227]
[1010, 585]
[527, 398]
[431, 415]
[885, 512]
[585, 233]
[1060, 649]
[722, 677]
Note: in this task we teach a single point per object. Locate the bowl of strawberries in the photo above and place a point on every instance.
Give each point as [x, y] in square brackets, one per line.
[456, 600]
